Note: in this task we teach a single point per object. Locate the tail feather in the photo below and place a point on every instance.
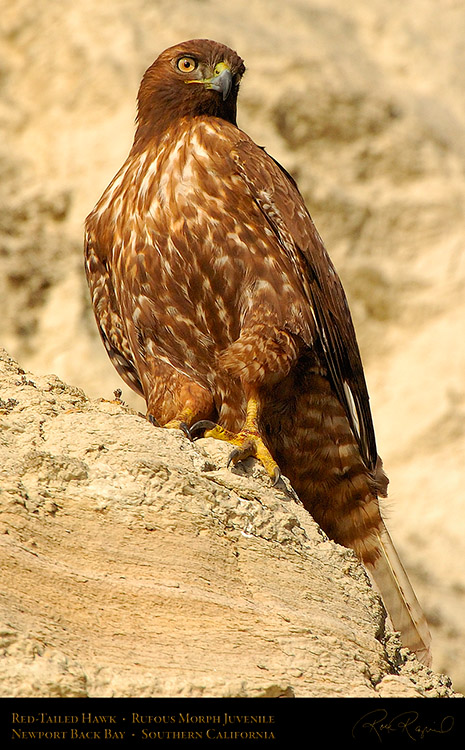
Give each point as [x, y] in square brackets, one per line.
[308, 434]
[399, 597]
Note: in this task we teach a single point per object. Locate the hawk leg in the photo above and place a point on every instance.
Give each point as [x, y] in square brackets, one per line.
[248, 441]
[174, 401]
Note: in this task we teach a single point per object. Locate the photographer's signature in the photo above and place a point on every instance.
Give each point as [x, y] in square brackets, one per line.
[378, 723]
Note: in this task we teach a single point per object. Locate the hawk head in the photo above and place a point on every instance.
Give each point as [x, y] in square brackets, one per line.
[191, 79]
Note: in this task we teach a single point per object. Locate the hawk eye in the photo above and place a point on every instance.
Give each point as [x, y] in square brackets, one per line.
[186, 64]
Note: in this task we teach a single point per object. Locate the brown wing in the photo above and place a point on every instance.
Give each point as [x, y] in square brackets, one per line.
[107, 314]
[278, 197]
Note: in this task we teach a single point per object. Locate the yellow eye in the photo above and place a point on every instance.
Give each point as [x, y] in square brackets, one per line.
[186, 64]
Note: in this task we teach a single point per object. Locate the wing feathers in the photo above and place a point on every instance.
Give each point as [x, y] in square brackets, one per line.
[277, 196]
[108, 316]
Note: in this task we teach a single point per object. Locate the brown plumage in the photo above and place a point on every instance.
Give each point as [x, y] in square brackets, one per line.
[217, 302]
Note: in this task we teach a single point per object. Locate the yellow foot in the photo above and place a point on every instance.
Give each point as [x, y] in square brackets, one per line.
[181, 422]
[248, 441]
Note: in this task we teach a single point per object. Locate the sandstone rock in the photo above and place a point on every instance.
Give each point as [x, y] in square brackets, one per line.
[133, 563]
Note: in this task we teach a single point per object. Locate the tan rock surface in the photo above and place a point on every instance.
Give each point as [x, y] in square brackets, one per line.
[133, 563]
[363, 103]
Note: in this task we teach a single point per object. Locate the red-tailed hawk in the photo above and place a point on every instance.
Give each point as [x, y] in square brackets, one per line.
[217, 302]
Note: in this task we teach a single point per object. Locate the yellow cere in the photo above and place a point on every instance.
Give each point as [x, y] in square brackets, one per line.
[220, 67]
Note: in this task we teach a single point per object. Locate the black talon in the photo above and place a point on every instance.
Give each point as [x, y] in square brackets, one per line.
[153, 421]
[276, 476]
[203, 425]
[241, 453]
[185, 429]
[234, 453]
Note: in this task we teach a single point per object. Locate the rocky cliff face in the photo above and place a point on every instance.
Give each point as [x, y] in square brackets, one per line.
[363, 103]
[133, 563]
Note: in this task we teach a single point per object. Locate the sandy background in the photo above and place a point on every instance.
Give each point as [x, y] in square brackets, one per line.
[365, 105]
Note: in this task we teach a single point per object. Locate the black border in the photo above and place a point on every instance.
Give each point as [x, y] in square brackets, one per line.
[199, 722]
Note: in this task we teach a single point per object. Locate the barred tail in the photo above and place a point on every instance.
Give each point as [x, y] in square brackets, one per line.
[314, 446]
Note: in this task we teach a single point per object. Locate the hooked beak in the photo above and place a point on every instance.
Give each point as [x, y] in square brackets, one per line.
[221, 80]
